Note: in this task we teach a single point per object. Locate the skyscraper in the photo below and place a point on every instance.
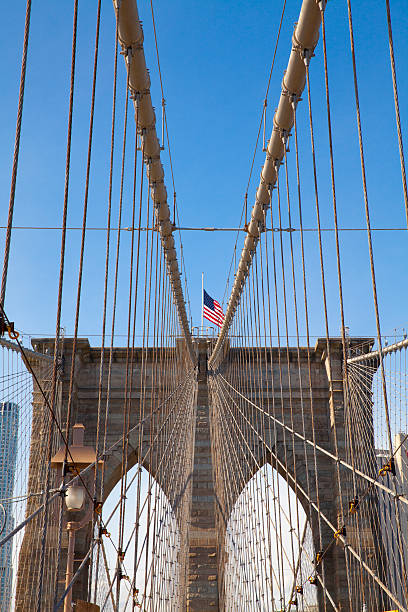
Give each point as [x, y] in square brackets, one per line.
[8, 456]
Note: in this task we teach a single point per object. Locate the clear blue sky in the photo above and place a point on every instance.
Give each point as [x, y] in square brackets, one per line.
[215, 60]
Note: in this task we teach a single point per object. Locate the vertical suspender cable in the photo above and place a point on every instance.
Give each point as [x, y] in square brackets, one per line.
[16, 154]
[397, 110]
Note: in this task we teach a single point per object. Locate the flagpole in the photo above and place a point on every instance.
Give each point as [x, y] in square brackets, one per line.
[202, 303]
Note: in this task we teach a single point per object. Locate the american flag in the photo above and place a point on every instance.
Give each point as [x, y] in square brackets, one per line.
[212, 310]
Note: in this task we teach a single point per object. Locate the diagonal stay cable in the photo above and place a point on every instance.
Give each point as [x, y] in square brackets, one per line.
[318, 447]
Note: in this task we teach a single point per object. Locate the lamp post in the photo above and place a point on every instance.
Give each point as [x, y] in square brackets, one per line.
[74, 501]
[78, 458]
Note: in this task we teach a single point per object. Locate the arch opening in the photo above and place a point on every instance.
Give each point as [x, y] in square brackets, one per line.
[268, 548]
[152, 567]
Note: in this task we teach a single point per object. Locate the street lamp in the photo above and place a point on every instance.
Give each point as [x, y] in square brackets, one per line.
[74, 498]
[78, 458]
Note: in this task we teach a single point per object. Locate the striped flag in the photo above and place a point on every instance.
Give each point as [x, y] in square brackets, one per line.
[212, 310]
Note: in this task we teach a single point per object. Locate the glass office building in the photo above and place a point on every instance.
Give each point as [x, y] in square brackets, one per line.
[8, 456]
